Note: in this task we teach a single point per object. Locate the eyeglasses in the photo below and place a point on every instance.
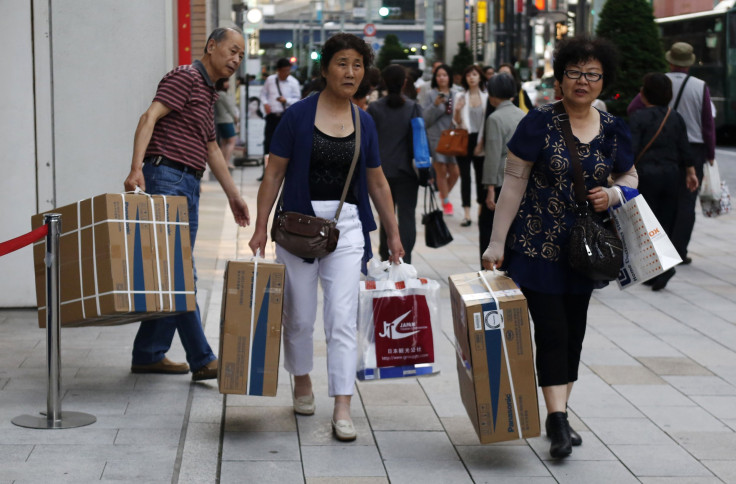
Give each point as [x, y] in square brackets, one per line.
[589, 76]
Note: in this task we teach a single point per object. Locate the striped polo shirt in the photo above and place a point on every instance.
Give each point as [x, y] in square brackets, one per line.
[183, 134]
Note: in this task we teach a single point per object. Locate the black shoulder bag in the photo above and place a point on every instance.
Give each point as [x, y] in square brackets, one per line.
[436, 233]
[594, 249]
[308, 236]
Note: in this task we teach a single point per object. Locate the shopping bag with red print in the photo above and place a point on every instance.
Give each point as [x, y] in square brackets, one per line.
[396, 316]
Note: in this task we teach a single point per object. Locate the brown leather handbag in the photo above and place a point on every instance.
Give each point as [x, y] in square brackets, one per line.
[453, 142]
[308, 236]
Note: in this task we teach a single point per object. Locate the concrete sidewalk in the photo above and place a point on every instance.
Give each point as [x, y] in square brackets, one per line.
[656, 400]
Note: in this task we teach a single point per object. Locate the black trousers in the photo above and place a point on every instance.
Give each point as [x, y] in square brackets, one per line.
[272, 120]
[659, 185]
[559, 328]
[464, 163]
[686, 199]
[404, 192]
[485, 223]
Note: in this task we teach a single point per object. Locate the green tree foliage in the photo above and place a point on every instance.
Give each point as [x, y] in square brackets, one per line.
[391, 50]
[462, 59]
[630, 25]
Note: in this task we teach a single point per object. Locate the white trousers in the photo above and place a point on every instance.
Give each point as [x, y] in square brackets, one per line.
[339, 274]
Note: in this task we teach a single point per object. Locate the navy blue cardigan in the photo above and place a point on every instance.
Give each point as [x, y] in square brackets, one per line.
[293, 141]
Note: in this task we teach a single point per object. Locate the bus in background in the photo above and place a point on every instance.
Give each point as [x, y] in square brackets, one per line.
[713, 37]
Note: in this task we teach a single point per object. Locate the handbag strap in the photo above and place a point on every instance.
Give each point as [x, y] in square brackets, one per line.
[578, 182]
[679, 93]
[433, 205]
[279, 89]
[356, 155]
[659, 130]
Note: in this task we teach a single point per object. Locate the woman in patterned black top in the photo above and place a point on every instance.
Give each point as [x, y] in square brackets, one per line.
[535, 212]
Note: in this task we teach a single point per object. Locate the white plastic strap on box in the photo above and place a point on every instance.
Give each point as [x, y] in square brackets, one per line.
[252, 318]
[168, 254]
[94, 259]
[113, 293]
[157, 265]
[127, 260]
[506, 355]
[79, 251]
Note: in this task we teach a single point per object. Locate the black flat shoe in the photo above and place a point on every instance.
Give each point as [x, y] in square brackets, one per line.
[558, 431]
[465, 222]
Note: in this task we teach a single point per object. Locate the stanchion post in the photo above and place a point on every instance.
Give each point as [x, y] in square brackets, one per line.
[54, 418]
[53, 308]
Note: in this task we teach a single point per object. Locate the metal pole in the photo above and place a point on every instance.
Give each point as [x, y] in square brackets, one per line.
[581, 12]
[342, 15]
[428, 37]
[54, 419]
[311, 41]
[53, 307]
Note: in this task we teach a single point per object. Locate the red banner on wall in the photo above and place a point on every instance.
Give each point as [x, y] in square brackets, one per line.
[184, 31]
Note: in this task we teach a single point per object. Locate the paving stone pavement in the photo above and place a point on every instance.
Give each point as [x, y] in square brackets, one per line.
[656, 400]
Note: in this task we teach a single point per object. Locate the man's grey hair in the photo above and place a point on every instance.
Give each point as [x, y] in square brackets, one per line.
[219, 34]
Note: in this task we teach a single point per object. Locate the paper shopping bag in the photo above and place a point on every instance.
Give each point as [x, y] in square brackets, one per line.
[648, 250]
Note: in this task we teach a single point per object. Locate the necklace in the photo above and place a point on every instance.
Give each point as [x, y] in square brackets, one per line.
[342, 127]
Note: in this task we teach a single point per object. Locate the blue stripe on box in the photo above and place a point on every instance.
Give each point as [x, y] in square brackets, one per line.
[180, 299]
[258, 352]
[493, 360]
[139, 281]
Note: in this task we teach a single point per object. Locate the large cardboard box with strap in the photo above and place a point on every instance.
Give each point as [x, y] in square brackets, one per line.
[250, 327]
[495, 362]
[123, 258]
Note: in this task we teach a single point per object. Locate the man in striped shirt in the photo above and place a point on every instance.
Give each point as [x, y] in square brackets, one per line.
[174, 141]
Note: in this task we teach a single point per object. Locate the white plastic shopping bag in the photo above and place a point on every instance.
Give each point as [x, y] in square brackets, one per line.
[710, 189]
[718, 206]
[648, 250]
[397, 323]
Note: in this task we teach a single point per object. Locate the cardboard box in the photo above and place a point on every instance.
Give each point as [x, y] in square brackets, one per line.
[249, 353]
[123, 258]
[495, 362]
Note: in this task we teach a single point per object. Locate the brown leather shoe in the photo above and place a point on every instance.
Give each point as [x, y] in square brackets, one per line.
[164, 366]
[207, 372]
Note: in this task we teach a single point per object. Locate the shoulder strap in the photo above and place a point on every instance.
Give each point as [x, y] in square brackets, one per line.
[679, 94]
[356, 155]
[279, 89]
[659, 130]
[577, 169]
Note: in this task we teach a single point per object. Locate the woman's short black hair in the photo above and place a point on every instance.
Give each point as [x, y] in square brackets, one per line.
[448, 71]
[343, 41]
[502, 86]
[464, 81]
[657, 89]
[583, 48]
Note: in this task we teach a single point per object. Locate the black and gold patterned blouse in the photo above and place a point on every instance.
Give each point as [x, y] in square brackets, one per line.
[541, 229]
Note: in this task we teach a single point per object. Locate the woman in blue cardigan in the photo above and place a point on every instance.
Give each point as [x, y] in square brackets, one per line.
[311, 153]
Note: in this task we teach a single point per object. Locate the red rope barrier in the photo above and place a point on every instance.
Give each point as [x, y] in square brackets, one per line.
[19, 242]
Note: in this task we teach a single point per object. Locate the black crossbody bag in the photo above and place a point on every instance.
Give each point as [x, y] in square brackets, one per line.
[594, 249]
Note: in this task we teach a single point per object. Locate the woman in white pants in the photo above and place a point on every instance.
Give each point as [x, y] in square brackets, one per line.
[311, 152]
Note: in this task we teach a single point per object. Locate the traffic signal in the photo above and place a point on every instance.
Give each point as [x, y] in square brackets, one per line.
[540, 4]
[389, 11]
